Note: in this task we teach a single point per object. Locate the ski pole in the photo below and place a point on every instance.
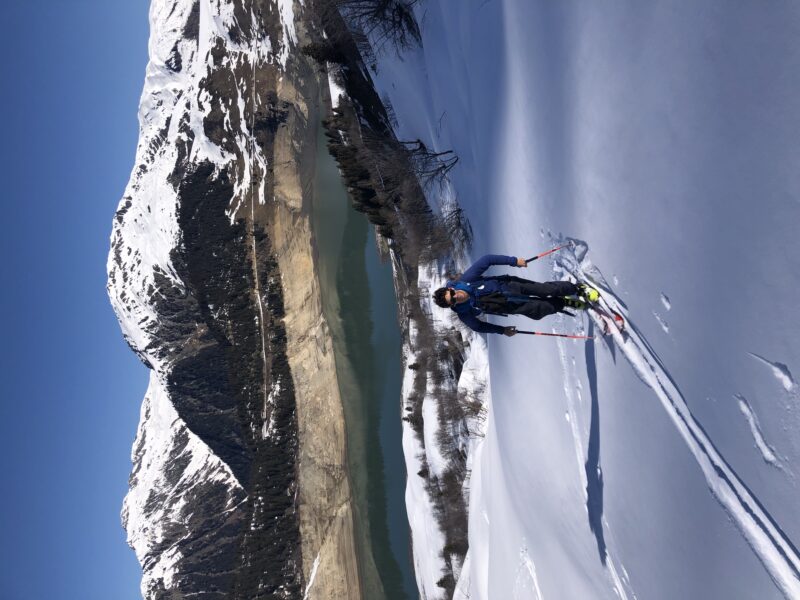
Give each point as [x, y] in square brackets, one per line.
[538, 256]
[564, 335]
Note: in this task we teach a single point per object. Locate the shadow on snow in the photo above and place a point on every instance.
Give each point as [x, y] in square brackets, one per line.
[594, 474]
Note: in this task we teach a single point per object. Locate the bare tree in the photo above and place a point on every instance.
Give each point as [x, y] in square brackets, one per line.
[383, 20]
[458, 227]
[429, 166]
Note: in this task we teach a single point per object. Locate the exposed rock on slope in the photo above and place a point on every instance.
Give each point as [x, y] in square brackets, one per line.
[238, 487]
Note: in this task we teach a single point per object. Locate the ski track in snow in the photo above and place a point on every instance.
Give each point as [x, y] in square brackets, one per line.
[763, 535]
[661, 321]
[767, 452]
[572, 391]
[780, 370]
[526, 580]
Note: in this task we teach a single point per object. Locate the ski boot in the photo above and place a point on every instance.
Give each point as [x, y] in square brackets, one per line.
[575, 303]
[589, 293]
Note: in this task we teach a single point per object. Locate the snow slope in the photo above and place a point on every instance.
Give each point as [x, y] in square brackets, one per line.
[665, 136]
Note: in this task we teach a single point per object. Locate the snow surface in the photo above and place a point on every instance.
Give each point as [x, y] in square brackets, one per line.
[763, 447]
[286, 9]
[779, 370]
[336, 90]
[664, 299]
[661, 321]
[427, 538]
[767, 540]
[666, 136]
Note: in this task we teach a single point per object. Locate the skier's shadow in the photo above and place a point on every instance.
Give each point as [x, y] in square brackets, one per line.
[594, 474]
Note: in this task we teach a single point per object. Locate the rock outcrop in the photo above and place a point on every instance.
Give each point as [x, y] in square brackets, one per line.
[239, 487]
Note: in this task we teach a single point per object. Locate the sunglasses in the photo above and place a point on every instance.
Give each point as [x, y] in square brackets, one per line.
[452, 301]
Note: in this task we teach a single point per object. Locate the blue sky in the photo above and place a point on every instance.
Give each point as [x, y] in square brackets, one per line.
[71, 389]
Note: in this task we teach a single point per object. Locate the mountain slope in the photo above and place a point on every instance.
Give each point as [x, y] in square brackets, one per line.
[239, 487]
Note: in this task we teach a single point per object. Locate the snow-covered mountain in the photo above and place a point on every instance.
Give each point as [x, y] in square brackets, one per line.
[659, 140]
[663, 138]
[239, 486]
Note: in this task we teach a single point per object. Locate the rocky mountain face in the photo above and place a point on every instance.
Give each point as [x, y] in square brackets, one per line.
[238, 488]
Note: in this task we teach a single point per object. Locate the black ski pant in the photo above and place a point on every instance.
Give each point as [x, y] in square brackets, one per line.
[548, 297]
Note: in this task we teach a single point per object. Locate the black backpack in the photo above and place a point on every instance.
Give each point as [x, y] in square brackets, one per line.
[494, 303]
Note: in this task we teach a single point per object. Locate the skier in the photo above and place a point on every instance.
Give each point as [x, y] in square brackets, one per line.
[473, 294]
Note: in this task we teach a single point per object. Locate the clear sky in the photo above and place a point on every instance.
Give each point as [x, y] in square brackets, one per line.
[72, 74]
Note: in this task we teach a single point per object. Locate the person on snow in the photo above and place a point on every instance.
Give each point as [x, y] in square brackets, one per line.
[474, 294]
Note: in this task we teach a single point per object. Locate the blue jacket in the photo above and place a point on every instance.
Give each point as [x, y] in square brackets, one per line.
[473, 282]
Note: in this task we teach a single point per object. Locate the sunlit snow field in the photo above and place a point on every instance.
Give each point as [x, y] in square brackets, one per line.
[664, 137]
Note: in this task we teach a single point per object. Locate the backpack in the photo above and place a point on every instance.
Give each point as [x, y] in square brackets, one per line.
[495, 303]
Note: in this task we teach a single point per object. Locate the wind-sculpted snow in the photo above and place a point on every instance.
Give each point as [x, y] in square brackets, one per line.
[779, 370]
[664, 325]
[767, 452]
[664, 300]
[763, 534]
